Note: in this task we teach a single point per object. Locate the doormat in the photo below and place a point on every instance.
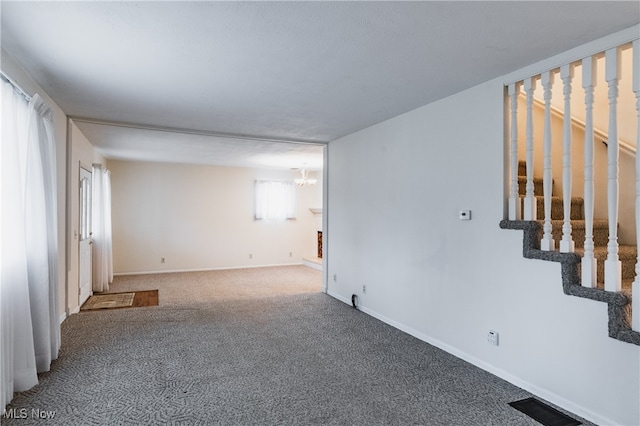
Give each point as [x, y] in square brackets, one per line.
[108, 301]
[543, 413]
[121, 300]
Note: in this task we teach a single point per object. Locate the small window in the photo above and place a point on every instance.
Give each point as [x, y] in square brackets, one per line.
[275, 200]
[85, 208]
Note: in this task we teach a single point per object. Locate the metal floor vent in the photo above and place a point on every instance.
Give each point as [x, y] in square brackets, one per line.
[543, 413]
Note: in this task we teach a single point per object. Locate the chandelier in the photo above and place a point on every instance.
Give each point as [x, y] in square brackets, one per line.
[305, 180]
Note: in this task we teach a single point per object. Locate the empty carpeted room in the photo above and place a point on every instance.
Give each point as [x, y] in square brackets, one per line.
[320, 212]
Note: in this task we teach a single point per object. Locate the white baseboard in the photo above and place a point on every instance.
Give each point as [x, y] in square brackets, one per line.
[312, 264]
[223, 268]
[339, 297]
[63, 317]
[529, 387]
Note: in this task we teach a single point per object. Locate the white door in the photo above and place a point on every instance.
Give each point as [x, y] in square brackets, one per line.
[85, 236]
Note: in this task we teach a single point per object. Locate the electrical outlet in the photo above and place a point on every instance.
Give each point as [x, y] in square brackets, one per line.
[493, 337]
[364, 289]
[290, 254]
[162, 260]
[335, 278]
[464, 214]
[250, 256]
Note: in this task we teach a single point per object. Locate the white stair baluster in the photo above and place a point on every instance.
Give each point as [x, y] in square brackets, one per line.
[635, 287]
[589, 264]
[547, 243]
[514, 197]
[529, 198]
[613, 266]
[566, 243]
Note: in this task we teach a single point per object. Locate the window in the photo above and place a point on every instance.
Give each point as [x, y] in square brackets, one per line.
[85, 206]
[275, 200]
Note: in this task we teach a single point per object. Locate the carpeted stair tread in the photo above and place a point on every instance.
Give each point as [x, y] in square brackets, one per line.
[522, 168]
[580, 223]
[600, 231]
[627, 254]
[626, 285]
[538, 188]
[557, 208]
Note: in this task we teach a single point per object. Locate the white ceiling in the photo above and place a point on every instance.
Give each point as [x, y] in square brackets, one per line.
[280, 71]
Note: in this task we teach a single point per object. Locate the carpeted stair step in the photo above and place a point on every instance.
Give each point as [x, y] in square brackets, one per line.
[628, 256]
[626, 286]
[537, 185]
[557, 208]
[600, 232]
[522, 168]
[522, 181]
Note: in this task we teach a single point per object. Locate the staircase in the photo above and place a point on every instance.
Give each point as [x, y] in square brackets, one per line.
[619, 303]
[628, 254]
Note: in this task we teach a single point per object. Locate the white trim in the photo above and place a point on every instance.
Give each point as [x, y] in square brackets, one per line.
[531, 388]
[576, 54]
[311, 264]
[325, 218]
[62, 318]
[169, 129]
[74, 310]
[222, 268]
[339, 297]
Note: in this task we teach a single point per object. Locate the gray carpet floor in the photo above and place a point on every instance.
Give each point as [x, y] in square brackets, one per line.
[293, 359]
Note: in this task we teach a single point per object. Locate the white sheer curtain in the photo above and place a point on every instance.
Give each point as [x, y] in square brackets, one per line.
[275, 200]
[42, 234]
[101, 229]
[29, 249]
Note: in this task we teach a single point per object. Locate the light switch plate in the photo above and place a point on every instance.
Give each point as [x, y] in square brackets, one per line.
[465, 214]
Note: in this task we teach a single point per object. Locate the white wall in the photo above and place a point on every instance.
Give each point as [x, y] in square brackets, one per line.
[202, 217]
[12, 69]
[394, 191]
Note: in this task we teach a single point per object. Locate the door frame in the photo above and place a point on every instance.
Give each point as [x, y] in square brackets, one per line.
[84, 234]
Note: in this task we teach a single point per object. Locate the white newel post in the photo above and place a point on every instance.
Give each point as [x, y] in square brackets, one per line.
[566, 243]
[547, 243]
[613, 266]
[635, 287]
[529, 199]
[514, 197]
[589, 264]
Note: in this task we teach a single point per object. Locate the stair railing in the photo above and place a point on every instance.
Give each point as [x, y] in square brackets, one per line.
[613, 266]
[514, 197]
[525, 208]
[635, 287]
[530, 203]
[547, 243]
[589, 263]
[567, 244]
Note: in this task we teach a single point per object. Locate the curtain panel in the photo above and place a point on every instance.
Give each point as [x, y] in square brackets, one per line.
[102, 264]
[30, 331]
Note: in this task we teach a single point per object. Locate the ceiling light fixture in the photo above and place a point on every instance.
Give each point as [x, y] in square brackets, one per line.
[305, 180]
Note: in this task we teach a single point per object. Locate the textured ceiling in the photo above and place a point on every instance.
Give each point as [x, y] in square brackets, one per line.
[156, 144]
[294, 71]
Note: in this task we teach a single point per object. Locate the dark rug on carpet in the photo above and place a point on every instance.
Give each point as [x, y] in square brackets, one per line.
[543, 413]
